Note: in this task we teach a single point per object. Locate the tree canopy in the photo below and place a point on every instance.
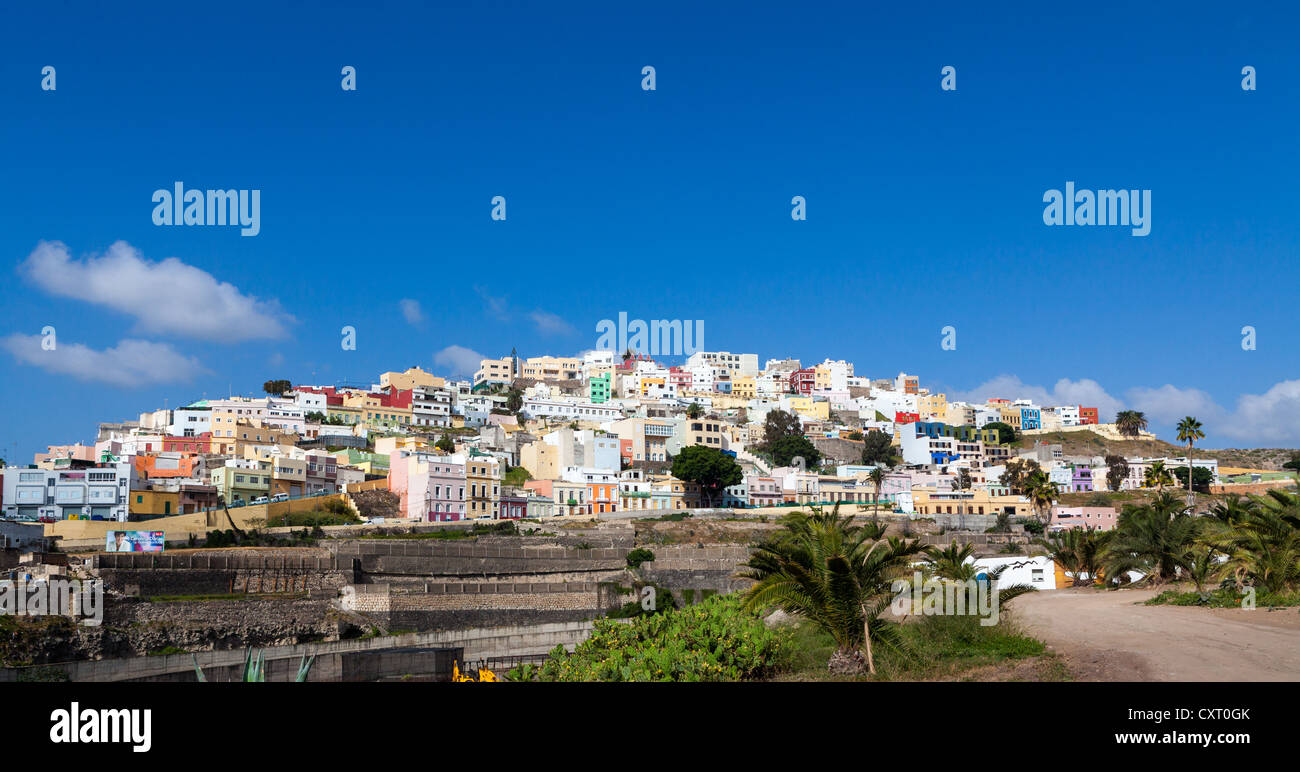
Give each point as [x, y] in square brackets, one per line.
[709, 468]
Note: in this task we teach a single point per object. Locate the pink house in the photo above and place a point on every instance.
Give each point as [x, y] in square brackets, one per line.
[1090, 518]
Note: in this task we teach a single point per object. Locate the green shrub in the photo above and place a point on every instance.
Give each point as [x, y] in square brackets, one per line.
[712, 641]
[638, 556]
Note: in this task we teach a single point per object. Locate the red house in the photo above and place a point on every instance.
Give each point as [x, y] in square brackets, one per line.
[199, 443]
[906, 418]
[1087, 415]
[803, 381]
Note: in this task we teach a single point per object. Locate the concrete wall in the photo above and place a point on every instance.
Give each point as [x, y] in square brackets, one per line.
[476, 644]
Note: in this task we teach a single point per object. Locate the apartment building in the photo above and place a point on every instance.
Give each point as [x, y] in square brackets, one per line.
[94, 493]
[500, 371]
[551, 369]
[483, 475]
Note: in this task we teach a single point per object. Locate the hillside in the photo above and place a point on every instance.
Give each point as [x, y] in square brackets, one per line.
[1088, 443]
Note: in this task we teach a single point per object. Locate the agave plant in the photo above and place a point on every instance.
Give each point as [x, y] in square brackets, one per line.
[255, 667]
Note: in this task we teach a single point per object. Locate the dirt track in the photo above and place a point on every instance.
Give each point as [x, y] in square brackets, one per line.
[1110, 636]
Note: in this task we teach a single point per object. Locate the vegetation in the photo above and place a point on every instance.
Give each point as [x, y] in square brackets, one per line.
[277, 387]
[255, 668]
[638, 556]
[837, 575]
[1189, 431]
[709, 468]
[1042, 493]
[1006, 432]
[878, 449]
[716, 640]
[446, 444]
[1116, 471]
[516, 476]
[1130, 423]
[1078, 551]
[785, 450]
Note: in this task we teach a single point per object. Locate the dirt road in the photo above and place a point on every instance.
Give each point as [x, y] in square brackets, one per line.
[1110, 636]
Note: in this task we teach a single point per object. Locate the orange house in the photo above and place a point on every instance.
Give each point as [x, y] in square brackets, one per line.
[152, 466]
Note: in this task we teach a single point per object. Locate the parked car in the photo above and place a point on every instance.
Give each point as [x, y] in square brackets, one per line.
[280, 497]
[259, 500]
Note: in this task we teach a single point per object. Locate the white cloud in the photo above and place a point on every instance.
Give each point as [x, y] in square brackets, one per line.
[130, 363]
[1084, 391]
[1271, 418]
[460, 360]
[411, 311]
[550, 324]
[168, 297]
[1169, 404]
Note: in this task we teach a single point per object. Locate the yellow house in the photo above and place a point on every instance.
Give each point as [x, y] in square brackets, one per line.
[375, 414]
[931, 406]
[744, 387]
[388, 446]
[413, 377]
[1011, 416]
[807, 407]
[969, 502]
[345, 414]
[146, 503]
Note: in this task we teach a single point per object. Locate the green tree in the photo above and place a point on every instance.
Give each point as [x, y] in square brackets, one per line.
[277, 387]
[694, 410]
[1130, 423]
[878, 449]
[1006, 432]
[786, 449]
[446, 444]
[963, 481]
[709, 468]
[778, 425]
[1017, 473]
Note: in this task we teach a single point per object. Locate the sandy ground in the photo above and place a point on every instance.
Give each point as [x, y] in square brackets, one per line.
[1110, 636]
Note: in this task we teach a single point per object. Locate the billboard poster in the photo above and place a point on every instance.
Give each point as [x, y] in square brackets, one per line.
[134, 541]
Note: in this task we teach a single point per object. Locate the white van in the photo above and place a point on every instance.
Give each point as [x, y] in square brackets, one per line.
[259, 500]
[280, 497]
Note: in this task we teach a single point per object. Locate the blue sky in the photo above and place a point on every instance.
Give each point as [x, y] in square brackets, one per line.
[924, 206]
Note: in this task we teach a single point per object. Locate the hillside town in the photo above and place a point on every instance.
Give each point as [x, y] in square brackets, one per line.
[602, 435]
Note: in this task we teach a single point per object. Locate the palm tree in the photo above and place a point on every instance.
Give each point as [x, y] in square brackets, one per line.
[951, 563]
[1189, 431]
[1078, 551]
[877, 477]
[1130, 423]
[838, 576]
[1042, 493]
[1155, 538]
[1156, 475]
[1261, 538]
